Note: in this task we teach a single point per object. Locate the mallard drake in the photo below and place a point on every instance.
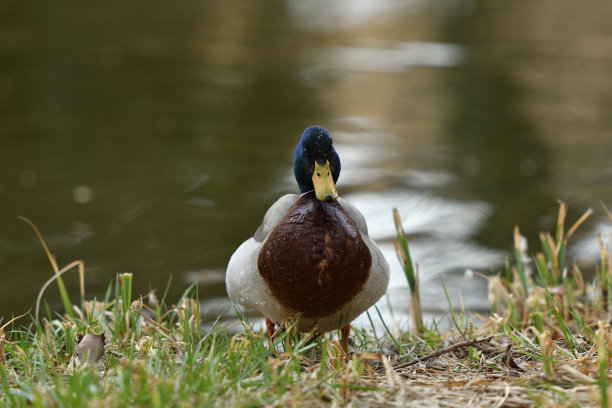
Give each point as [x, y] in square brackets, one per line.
[312, 255]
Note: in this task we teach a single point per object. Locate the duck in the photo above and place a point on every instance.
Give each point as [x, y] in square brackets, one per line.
[312, 256]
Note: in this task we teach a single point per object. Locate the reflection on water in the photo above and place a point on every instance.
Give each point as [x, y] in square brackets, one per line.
[395, 59]
[152, 139]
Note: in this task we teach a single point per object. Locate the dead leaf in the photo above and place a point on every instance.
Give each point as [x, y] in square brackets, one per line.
[89, 350]
[510, 361]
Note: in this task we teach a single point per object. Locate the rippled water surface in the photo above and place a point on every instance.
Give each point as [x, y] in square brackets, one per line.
[151, 138]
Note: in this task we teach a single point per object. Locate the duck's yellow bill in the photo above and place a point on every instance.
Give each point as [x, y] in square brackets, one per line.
[324, 186]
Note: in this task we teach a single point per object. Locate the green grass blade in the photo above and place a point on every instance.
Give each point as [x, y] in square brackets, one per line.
[569, 338]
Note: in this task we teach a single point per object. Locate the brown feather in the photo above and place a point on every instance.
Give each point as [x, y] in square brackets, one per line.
[315, 260]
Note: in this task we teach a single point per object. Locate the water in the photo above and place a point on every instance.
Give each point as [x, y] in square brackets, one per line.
[151, 139]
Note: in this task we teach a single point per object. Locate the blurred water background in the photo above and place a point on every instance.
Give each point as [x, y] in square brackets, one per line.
[151, 137]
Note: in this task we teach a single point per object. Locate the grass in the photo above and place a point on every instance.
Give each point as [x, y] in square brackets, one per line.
[546, 342]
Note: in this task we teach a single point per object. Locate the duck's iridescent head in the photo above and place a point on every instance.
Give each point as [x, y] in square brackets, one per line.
[317, 165]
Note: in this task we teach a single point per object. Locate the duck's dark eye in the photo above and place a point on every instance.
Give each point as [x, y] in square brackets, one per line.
[327, 173]
[318, 174]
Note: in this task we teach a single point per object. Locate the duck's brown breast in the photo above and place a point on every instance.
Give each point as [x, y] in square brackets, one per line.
[315, 260]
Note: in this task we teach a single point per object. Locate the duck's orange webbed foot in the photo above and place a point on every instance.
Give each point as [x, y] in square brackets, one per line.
[346, 332]
[271, 330]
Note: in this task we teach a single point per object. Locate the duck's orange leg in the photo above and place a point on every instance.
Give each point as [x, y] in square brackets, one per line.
[271, 330]
[346, 332]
